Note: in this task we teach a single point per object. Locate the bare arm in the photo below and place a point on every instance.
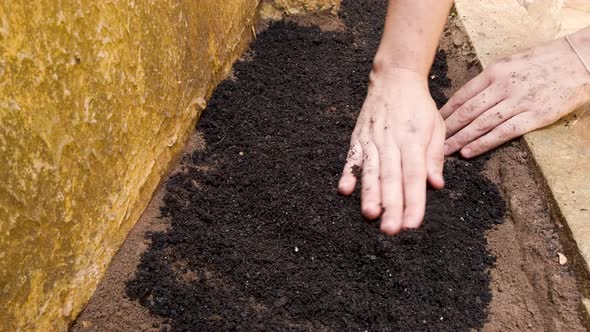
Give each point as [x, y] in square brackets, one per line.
[399, 135]
[411, 34]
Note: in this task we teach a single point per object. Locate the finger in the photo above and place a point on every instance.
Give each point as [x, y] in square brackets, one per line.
[468, 91]
[480, 126]
[392, 198]
[518, 125]
[371, 193]
[435, 156]
[352, 168]
[414, 185]
[473, 108]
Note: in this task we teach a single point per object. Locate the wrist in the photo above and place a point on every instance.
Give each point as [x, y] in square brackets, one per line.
[579, 44]
[388, 73]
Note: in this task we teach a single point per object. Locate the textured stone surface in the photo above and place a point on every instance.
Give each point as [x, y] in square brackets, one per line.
[96, 98]
[277, 8]
[500, 27]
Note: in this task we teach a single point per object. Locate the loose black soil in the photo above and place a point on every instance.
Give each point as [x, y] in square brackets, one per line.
[258, 237]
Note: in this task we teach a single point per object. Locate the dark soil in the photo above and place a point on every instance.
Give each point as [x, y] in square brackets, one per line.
[258, 237]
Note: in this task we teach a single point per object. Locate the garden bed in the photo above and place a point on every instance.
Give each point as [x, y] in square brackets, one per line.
[249, 234]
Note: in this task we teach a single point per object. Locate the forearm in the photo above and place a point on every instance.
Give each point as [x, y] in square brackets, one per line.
[411, 34]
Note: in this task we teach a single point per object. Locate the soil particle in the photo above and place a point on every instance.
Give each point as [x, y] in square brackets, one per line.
[357, 171]
[265, 241]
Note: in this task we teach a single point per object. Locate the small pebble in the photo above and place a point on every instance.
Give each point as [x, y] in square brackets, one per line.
[561, 258]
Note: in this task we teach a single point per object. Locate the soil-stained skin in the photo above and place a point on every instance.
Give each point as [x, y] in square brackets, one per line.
[258, 237]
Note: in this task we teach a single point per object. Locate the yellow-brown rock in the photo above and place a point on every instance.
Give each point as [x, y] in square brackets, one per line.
[274, 9]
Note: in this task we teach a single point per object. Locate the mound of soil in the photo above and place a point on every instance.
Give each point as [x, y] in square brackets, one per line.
[258, 237]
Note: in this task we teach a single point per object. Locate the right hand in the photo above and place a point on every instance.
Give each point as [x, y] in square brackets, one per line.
[398, 143]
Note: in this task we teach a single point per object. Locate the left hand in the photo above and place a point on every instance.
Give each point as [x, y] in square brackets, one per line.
[513, 96]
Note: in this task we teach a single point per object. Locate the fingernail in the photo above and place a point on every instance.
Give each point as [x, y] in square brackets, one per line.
[466, 152]
[440, 178]
[447, 148]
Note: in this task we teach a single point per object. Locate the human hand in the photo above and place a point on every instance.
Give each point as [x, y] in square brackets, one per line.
[398, 144]
[513, 96]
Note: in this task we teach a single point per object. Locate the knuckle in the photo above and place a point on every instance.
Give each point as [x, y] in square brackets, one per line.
[366, 191]
[354, 144]
[489, 73]
[504, 86]
[413, 211]
[414, 174]
[526, 103]
[494, 71]
[464, 113]
[502, 89]
[437, 159]
[546, 119]
[415, 147]
[493, 68]
[410, 176]
[452, 145]
[377, 135]
[395, 204]
[507, 131]
[383, 148]
[363, 136]
[353, 156]
[459, 98]
[391, 206]
[460, 139]
[369, 170]
[477, 145]
[388, 176]
[482, 125]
